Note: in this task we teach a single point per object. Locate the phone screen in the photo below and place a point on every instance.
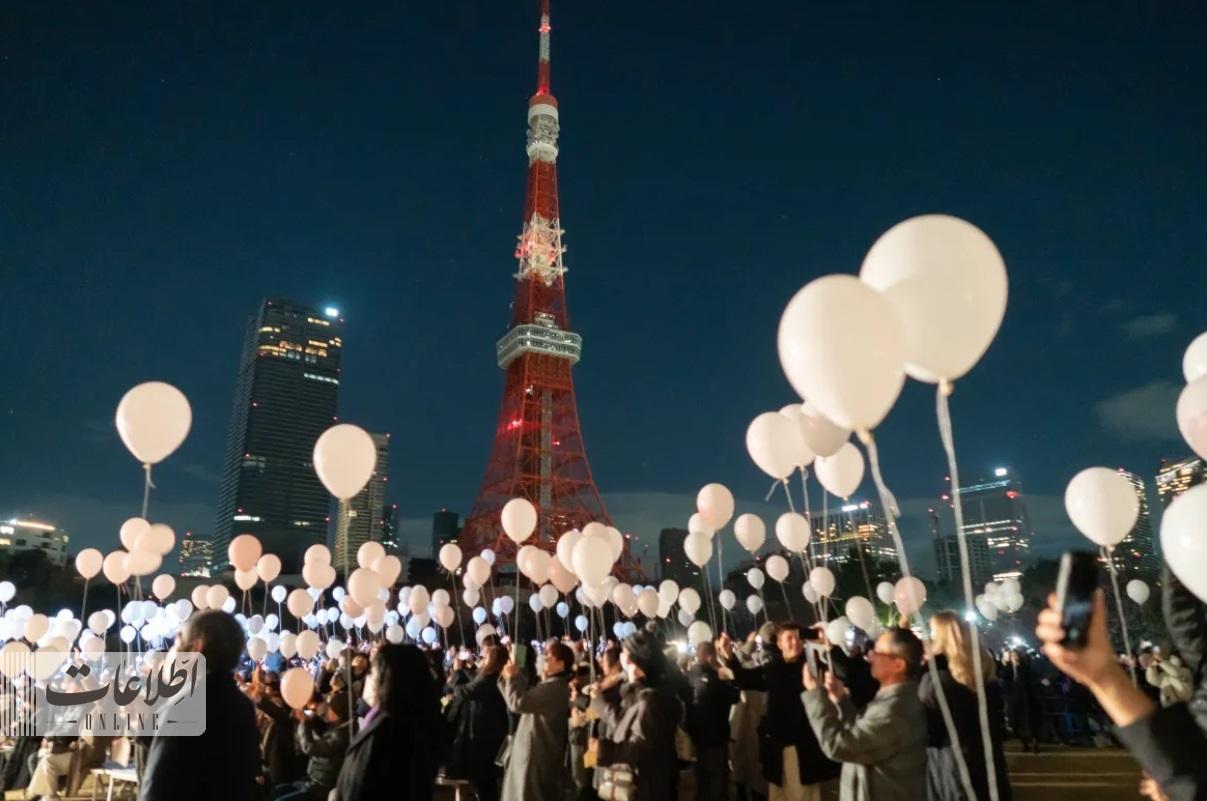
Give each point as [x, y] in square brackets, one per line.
[519, 653]
[1075, 585]
[817, 658]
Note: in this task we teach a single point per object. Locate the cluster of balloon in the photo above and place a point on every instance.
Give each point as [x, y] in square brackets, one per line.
[1182, 540]
[1004, 597]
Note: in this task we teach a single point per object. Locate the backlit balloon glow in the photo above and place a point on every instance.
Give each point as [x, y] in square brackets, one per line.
[344, 459]
[152, 420]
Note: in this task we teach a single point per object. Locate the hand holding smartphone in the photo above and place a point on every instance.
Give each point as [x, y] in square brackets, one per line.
[1075, 586]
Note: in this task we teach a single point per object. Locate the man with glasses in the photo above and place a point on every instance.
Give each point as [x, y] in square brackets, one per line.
[882, 747]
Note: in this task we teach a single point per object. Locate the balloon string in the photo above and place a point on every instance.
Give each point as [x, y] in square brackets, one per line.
[146, 490]
[946, 434]
[804, 488]
[890, 516]
[460, 626]
[774, 486]
[83, 605]
[1127, 645]
[343, 515]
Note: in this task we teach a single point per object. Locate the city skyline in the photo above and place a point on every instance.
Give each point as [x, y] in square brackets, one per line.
[344, 196]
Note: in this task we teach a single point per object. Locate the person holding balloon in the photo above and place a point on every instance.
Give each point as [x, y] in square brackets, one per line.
[477, 715]
[535, 757]
[322, 736]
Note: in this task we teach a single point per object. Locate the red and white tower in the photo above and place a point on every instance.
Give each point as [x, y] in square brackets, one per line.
[538, 450]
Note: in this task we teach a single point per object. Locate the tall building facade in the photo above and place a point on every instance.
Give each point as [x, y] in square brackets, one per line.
[18, 535]
[446, 527]
[1137, 551]
[389, 528]
[947, 561]
[996, 511]
[860, 524]
[360, 520]
[287, 394]
[194, 555]
[1174, 478]
[672, 559]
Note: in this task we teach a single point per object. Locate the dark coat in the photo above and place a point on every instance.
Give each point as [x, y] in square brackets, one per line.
[856, 674]
[708, 711]
[942, 772]
[785, 723]
[391, 757]
[326, 750]
[641, 723]
[277, 746]
[477, 716]
[1170, 747]
[223, 762]
[1186, 619]
[1022, 700]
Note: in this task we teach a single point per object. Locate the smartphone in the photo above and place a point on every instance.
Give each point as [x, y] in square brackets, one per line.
[817, 656]
[1075, 585]
[519, 653]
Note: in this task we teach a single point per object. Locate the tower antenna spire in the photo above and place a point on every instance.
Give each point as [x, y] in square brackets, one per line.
[542, 70]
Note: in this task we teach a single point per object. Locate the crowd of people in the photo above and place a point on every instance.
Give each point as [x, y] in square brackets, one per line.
[783, 715]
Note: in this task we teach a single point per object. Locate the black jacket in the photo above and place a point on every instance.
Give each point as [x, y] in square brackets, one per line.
[641, 723]
[942, 775]
[708, 710]
[392, 757]
[1170, 747]
[281, 759]
[1186, 619]
[223, 762]
[477, 716]
[856, 674]
[326, 749]
[1022, 700]
[785, 723]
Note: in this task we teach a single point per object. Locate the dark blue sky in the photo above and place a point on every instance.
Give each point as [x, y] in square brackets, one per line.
[167, 165]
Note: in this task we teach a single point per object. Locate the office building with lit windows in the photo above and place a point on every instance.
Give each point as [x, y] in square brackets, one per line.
[195, 555]
[996, 511]
[857, 524]
[360, 520]
[389, 528]
[286, 395]
[1174, 478]
[1137, 551]
[18, 535]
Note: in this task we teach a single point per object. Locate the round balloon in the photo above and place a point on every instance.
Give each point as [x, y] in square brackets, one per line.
[727, 599]
[1183, 545]
[770, 440]
[859, 610]
[1194, 361]
[841, 473]
[152, 420]
[909, 594]
[88, 563]
[714, 503]
[821, 579]
[1102, 504]
[777, 567]
[750, 531]
[793, 531]
[344, 459]
[823, 437]
[518, 519]
[297, 687]
[450, 556]
[1192, 415]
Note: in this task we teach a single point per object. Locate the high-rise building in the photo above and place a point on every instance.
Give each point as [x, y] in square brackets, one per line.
[360, 519]
[194, 555]
[1174, 478]
[1137, 551]
[995, 510]
[947, 561]
[31, 535]
[838, 532]
[446, 527]
[286, 396]
[538, 451]
[673, 563]
[389, 528]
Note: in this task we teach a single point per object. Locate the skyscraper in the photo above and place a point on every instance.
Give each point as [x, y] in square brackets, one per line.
[389, 527]
[286, 396]
[672, 559]
[947, 556]
[859, 523]
[194, 555]
[994, 510]
[1137, 551]
[360, 520]
[1174, 478]
[446, 527]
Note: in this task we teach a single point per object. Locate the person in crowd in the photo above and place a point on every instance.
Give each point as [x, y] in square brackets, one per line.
[477, 717]
[747, 715]
[275, 721]
[792, 761]
[951, 652]
[1022, 702]
[708, 724]
[852, 669]
[1165, 741]
[52, 763]
[322, 736]
[1173, 681]
[1185, 618]
[398, 751]
[882, 748]
[535, 761]
[641, 715]
[580, 735]
[224, 761]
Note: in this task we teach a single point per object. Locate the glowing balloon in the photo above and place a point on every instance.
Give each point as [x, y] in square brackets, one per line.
[1192, 415]
[884, 591]
[217, 596]
[777, 567]
[318, 574]
[727, 599]
[243, 552]
[909, 595]
[750, 531]
[344, 459]
[297, 687]
[450, 556]
[822, 580]
[592, 560]
[162, 586]
[152, 420]
[841, 473]
[478, 569]
[518, 519]
[755, 578]
[115, 568]
[699, 632]
[318, 554]
[771, 442]
[689, 600]
[268, 567]
[1183, 545]
[714, 502]
[698, 548]
[1102, 504]
[565, 548]
[793, 531]
[388, 568]
[754, 604]
[823, 437]
[859, 610]
[88, 562]
[836, 630]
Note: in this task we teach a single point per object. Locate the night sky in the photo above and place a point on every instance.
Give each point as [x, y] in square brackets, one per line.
[168, 165]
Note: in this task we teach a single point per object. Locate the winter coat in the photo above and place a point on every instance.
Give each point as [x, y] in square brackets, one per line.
[942, 771]
[392, 757]
[276, 741]
[641, 723]
[707, 719]
[744, 720]
[882, 748]
[1173, 679]
[856, 674]
[1186, 620]
[477, 716]
[326, 751]
[1169, 746]
[784, 723]
[222, 762]
[1022, 702]
[537, 758]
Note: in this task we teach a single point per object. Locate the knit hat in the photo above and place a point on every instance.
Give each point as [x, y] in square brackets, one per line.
[644, 652]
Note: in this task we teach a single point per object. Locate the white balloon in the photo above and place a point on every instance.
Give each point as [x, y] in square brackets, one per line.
[388, 568]
[299, 603]
[714, 503]
[696, 523]
[565, 548]
[88, 563]
[580, 623]
[1183, 544]
[755, 578]
[268, 567]
[698, 632]
[727, 599]
[777, 567]
[152, 420]
[518, 519]
[947, 282]
[471, 597]
[698, 548]
[842, 473]
[394, 633]
[1192, 415]
[548, 595]
[183, 609]
[279, 593]
[1014, 602]
[489, 556]
[859, 610]
[162, 586]
[750, 531]
[1137, 590]
[257, 649]
[884, 591]
[842, 346]
[836, 630]
[344, 459]
[1102, 504]
[1194, 361]
[318, 553]
[986, 607]
[363, 585]
[802, 454]
[450, 556]
[535, 603]
[368, 553]
[132, 531]
[648, 602]
[36, 626]
[685, 617]
[754, 604]
[478, 569]
[561, 576]
[623, 596]
[689, 600]
[441, 599]
[668, 591]
[909, 595]
[821, 579]
[479, 615]
[563, 609]
[592, 560]
[771, 442]
[793, 531]
[822, 436]
[217, 596]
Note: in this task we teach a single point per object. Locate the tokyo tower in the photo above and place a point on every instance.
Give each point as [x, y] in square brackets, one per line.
[538, 450]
